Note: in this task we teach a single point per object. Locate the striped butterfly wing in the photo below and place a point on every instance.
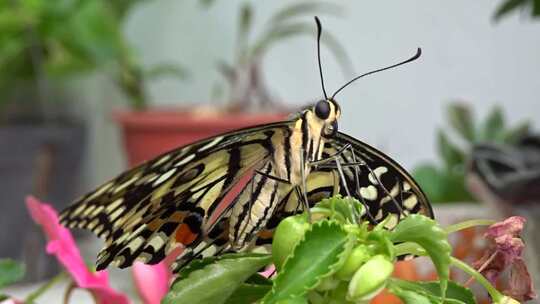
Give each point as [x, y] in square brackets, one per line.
[382, 185]
[147, 211]
[376, 180]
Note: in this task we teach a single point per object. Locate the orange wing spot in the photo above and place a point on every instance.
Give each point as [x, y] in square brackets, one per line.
[266, 234]
[184, 235]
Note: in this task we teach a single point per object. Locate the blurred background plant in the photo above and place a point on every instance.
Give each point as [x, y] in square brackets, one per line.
[445, 182]
[44, 43]
[244, 77]
[530, 7]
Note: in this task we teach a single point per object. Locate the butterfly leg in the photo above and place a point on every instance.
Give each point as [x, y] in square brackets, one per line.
[303, 195]
[356, 165]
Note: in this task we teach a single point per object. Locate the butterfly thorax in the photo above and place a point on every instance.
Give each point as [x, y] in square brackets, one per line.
[294, 148]
[304, 141]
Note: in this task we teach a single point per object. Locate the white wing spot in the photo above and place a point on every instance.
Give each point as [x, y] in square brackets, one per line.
[211, 144]
[375, 176]
[410, 202]
[185, 160]
[165, 176]
[135, 244]
[97, 210]
[114, 204]
[99, 191]
[369, 193]
[125, 184]
[161, 160]
[406, 186]
[116, 214]
[158, 241]
[391, 221]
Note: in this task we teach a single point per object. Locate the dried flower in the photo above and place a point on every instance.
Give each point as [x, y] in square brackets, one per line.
[505, 252]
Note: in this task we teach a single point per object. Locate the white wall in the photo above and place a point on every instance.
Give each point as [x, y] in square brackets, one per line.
[466, 56]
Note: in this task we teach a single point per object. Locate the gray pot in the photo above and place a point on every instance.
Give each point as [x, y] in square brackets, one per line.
[45, 161]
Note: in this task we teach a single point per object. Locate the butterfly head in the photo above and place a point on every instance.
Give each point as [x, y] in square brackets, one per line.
[327, 113]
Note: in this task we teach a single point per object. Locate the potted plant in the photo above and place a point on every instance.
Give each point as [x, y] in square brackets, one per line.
[445, 183]
[42, 45]
[148, 132]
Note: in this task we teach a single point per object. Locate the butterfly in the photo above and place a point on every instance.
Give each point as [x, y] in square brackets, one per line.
[179, 199]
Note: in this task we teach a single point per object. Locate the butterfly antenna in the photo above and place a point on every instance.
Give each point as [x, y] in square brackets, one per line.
[319, 32]
[413, 58]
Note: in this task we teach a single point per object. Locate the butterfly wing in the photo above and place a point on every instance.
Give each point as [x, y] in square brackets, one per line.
[376, 180]
[381, 184]
[145, 212]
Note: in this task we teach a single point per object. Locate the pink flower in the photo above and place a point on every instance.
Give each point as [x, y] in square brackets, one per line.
[152, 281]
[505, 252]
[62, 245]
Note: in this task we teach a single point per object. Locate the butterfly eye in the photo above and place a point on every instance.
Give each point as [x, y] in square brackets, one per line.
[322, 109]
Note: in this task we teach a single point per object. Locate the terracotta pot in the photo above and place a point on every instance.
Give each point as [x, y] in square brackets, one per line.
[150, 133]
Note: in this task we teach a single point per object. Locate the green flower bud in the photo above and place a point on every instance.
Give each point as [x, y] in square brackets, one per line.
[370, 278]
[288, 233]
[359, 255]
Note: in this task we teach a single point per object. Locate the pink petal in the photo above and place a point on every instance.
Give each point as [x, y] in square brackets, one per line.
[520, 285]
[269, 271]
[511, 226]
[63, 246]
[152, 281]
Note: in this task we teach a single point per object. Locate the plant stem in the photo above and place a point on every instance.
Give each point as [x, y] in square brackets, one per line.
[468, 224]
[43, 288]
[496, 296]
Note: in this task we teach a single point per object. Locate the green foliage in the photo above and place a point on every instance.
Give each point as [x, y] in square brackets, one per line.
[413, 229]
[338, 260]
[42, 39]
[246, 85]
[214, 283]
[429, 292]
[304, 270]
[509, 6]
[10, 272]
[446, 183]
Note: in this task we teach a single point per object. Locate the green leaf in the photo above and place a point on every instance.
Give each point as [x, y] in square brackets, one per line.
[513, 135]
[216, 282]
[431, 290]
[412, 297]
[300, 9]
[430, 236]
[248, 293]
[10, 272]
[453, 156]
[430, 180]
[284, 31]
[167, 70]
[198, 264]
[493, 129]
[454, 291]
[461, 119]
[246, 19]
[507, 7]
[321, 253]
[338, 208]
